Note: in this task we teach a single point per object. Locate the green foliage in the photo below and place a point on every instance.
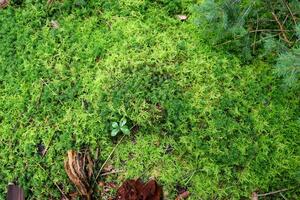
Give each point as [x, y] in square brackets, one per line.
[201, 119]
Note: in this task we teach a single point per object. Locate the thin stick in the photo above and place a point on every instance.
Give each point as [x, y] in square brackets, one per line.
[229, 41]
[112, 172]
[270, 193]
[281, 28]
[190, 177]
[48, 145]
[109, 156]
[261, 40]
[288, 7]
[283, 196]
[285, 19]
[270, 30]
[61, 191]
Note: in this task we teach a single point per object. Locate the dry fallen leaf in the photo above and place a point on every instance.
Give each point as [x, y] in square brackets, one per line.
[254, 196]
[182, 17]
[101, 184]
[107, 168]
[54, 24]
[183, 195]
[4, 3]
[80, 169]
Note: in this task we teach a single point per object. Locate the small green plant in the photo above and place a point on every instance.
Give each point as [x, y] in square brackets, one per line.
[120, 127]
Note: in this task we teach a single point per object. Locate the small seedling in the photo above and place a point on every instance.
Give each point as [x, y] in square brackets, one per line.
[120, 127]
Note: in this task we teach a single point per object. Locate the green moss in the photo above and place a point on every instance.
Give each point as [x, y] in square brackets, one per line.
[206, 122]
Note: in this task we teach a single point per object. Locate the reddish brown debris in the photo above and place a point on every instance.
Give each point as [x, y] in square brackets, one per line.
[137, 190]
[14, 192]
[183, 195]
[4, 3]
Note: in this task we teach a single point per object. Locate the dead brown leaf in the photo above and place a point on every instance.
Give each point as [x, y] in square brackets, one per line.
[254, 196]
[182, 17]
[54, 24]
[137, 190]
[107, 168]
[4, 3]
[101, 184]
[183, 195]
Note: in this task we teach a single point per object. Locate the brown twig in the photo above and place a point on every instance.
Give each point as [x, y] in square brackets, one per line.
[61, 191]
[285, 19]
[269, 30]
[112, 172]
[270, 193]
[228, 41]
[281, 28]
[291, 13]
[264, 38]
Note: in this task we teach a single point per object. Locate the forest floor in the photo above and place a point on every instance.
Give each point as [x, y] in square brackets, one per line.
[199, 120]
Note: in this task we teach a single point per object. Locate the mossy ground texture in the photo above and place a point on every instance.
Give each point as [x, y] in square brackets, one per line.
[200, 119]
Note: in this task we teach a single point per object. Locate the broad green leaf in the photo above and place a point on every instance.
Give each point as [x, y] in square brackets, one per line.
[123, 122]
[114, 132]
[125, 130]
[115, 125]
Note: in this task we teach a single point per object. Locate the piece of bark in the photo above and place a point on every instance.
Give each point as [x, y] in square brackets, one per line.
[15, 192]
[80, 169]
